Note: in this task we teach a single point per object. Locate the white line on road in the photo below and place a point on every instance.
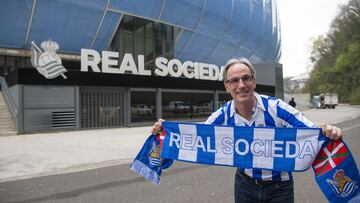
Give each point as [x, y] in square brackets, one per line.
[349, 128]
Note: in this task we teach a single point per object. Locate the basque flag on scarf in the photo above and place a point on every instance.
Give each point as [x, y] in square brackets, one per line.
[336, 172]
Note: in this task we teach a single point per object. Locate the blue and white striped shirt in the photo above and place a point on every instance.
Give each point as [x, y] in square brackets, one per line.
[268, 111]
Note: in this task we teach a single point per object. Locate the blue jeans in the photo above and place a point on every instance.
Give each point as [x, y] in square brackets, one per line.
[247, 190]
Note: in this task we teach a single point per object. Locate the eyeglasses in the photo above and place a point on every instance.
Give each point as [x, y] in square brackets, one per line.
[235, 81]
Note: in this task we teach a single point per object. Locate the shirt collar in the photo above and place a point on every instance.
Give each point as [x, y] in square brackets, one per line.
[259, 104]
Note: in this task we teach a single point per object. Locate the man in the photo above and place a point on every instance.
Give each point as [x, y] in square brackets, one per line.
[292, 102]
[251, 109]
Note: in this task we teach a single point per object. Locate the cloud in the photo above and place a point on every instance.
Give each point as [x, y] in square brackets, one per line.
[302, 21]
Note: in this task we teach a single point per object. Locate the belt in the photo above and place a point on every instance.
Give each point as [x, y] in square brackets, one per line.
[253, 180]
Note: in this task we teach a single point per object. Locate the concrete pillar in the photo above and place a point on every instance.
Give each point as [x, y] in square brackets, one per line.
[77, 107]
[279, 85]
[158, 103]
[216, 100]
[127, 107]
[20, 115]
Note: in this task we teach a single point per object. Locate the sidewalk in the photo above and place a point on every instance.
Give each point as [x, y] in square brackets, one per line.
[42, 154]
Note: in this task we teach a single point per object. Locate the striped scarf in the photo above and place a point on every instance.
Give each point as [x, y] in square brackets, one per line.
[265, 148]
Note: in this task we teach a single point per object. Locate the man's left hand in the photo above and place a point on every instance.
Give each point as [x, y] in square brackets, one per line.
[330, 131]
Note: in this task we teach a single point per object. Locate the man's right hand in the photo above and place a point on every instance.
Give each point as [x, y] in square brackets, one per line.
[157, 127]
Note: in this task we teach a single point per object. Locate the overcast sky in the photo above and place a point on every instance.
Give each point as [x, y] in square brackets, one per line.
[301, 21]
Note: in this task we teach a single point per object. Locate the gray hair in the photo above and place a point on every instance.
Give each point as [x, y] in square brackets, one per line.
[233, 61]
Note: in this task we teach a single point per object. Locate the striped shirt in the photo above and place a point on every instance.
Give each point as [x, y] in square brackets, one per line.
[268, 111]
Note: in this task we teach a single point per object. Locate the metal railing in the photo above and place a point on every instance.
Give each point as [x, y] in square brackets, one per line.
[8, 98]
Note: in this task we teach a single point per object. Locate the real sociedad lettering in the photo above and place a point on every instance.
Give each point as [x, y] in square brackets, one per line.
[242, 147]
[90, 60]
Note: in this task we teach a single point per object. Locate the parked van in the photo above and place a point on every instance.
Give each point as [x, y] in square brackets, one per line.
[328, 100]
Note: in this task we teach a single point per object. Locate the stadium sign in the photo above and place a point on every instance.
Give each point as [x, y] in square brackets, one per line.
[90, 60]
[46, 61]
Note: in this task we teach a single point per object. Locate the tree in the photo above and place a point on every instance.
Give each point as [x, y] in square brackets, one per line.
[336, 57]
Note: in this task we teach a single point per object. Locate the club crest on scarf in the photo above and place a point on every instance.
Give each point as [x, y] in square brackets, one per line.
[342, 185]
[154, 155]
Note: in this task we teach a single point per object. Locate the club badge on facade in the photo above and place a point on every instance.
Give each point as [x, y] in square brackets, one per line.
[46, 61]
[342, 184]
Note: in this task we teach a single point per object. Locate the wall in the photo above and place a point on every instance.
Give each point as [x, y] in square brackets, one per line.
[40, 103]
[15, 94]
[270, 74]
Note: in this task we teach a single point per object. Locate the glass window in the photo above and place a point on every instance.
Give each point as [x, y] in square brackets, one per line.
[128, 43]
[139, 43]
[158, 42]
[159, 47]
[127, 23]
[2, 60]
[139, 26]
[157, 30]
[149, 46]
[143, 106]
[223, 98]
[186, 106]
[169, 32]
[149, 30]
[149, 54]
[139, 36]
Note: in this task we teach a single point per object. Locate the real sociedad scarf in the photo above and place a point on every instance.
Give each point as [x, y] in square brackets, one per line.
[148, 162]
[267, 148]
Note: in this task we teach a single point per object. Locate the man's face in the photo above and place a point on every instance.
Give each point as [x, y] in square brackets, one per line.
[241, 90]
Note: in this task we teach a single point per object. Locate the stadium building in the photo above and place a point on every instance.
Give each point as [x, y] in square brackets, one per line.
[79, 64]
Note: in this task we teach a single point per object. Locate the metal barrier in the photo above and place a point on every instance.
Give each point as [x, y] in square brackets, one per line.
[8, 99]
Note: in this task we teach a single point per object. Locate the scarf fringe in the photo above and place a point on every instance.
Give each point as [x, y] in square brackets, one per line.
[143, 170]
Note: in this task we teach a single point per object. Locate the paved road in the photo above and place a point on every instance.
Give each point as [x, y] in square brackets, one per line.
[182, 183]
[36, 155]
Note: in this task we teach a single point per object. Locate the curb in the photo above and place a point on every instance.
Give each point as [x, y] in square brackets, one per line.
[70, 169]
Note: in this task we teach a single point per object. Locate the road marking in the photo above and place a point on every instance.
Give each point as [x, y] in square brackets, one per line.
[349, 128]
